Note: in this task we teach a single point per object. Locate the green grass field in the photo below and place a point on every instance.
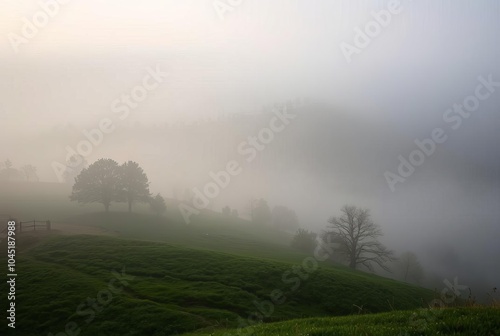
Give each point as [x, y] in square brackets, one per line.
[458, 321]
[176, 290]
[158, 276]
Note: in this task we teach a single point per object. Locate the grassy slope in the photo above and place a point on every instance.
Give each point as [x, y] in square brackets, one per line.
[178, 289]
[461, 321]
[209, 231]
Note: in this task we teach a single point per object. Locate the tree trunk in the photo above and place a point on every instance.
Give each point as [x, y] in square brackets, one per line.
[352, 263]
[353, 259]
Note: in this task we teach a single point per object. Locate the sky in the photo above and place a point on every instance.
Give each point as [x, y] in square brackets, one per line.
[65, 78]
[292, 45]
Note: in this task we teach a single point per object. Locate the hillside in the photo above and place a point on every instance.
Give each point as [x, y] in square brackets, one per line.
[206, 278]
[458, 322]
[210, 231]
[169, 289]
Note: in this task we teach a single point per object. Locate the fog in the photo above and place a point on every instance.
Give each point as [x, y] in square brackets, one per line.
[225, 80]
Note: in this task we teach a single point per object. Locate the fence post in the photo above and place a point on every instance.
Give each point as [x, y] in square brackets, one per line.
[48, 225]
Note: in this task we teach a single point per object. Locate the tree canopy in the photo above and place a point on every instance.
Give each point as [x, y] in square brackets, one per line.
[99, 183]
[105, 181]
[157, 204]
[133, 184]
[304, 241]
[260, 212]
[285, 218]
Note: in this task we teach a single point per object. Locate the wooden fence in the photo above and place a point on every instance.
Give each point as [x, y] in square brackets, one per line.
[34, 224]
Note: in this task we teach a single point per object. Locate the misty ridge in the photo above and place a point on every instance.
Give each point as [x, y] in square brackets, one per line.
[334, 159]
[227, 167]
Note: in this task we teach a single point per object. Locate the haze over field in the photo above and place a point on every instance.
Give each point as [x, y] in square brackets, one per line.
[227, 75]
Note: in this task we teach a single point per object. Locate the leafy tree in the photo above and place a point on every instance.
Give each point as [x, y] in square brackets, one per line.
[260, 212]
[285, 219]
[226, 211]
[357, 238]
[410, 268]
[133, 184]
[304, 241]
[157, 204]
[99, 183]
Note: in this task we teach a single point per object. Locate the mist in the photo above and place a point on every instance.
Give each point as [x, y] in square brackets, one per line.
[227, 77]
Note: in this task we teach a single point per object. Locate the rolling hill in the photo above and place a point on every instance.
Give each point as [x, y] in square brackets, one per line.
[163, 289]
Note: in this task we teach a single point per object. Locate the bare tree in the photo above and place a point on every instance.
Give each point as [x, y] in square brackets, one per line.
[410, 267]
[357, 238]
[29, 172]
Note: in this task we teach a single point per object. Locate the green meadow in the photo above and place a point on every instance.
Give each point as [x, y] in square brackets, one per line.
[155, 275]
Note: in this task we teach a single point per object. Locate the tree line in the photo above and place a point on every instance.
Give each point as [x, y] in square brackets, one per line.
[353, 236]
[24, 173]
